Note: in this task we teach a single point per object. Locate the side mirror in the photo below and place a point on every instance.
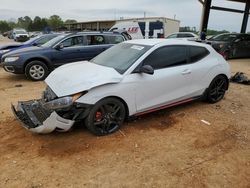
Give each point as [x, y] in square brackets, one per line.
[35, 44]
[147, 69]
[59, 46]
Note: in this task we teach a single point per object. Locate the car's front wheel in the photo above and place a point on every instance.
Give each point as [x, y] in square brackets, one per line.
[217, 89]
[106, 116]
[36, 70]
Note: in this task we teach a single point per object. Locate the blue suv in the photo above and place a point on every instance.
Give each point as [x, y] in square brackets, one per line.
[36, 41]
[37, 62]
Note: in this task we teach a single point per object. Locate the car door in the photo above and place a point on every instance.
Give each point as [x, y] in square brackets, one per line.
[245, 46]
[70, 50]
[170, 81]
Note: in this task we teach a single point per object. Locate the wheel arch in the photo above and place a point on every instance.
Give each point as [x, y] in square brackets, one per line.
[225, 76]
[120, 99]
[42, 59]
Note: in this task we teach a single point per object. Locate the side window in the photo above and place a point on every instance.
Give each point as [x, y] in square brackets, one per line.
[197, 53]
[115, 39]
[73, 41]
[95, 39]
[172, 36]
[167, 56]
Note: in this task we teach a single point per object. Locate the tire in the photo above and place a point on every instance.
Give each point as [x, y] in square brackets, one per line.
[217, 89]
[106, 117]
[36, 70]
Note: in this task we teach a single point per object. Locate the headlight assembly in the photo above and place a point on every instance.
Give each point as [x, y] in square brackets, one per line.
[63, 102]
[59, 103]
[10, 59]
[4, 51]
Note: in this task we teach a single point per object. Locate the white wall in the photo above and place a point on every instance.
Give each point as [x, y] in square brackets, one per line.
[171, 26]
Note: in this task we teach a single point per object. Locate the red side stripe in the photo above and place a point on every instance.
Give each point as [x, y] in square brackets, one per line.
[163, 107]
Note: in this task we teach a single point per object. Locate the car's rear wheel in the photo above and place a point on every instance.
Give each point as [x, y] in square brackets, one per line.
[217, 89]
[36, 70]
[106, 117]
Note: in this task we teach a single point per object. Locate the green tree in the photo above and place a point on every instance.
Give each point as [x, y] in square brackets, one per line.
[36, 24]
[4, 26]
[12, 24]
[215, 32]
[70, 21]
[55, 22]
[24, 22]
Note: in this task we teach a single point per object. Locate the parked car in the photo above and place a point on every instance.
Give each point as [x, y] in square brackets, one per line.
[20, 35]
[37, 62]
[36, 41]
[5, 34]
[130, 79]
[232, 45]
[182, 35]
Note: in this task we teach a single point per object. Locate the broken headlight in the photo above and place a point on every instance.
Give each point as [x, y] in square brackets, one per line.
[63, 102]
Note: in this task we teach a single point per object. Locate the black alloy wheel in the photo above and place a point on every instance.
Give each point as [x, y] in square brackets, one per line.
[217, 89]
[106, 117]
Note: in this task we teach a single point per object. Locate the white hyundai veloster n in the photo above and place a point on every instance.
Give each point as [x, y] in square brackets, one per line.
[130, 79]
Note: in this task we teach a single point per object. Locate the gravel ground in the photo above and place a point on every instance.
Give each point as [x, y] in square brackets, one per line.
[169, 148]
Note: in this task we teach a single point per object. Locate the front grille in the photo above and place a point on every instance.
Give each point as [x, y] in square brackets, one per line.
[40, 112]
[25, 119]
[33, 113]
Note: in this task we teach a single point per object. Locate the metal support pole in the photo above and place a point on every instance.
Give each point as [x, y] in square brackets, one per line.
[245, 17]
[205, 15]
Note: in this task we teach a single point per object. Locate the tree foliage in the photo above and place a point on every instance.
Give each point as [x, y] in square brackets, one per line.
[54, 22]
[4, 26]
[70, 21]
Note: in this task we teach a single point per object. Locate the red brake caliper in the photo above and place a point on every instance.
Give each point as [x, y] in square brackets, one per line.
[98, 116]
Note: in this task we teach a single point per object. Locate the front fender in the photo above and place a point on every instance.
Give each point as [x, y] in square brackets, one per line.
[126, 93]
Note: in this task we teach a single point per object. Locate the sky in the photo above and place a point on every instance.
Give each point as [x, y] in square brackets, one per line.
[187, 11]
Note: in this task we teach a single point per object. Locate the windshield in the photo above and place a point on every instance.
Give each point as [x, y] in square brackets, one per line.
[53, 41]
[224, 37]
[121, 56]
[20, 32]
[32, 40]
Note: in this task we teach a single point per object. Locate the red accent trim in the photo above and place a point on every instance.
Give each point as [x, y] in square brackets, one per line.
[165, 106]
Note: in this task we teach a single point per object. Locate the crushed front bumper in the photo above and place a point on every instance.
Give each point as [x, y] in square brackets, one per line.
[38, 119]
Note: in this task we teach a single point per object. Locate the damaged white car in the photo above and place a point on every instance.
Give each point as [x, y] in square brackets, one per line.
[129, 79]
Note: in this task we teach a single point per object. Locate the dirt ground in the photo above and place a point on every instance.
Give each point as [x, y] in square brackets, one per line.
[169, 148]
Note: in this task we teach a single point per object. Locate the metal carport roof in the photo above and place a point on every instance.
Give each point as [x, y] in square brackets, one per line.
[207, 7]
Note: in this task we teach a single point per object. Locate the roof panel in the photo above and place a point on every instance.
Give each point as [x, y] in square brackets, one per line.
[240, 1]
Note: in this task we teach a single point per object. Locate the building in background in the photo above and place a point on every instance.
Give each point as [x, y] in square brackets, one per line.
[148, 27]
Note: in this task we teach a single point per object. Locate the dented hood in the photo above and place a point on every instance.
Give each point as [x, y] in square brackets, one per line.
[80, 76]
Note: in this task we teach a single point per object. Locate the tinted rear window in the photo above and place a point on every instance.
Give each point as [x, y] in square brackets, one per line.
[167, 56]
[197, 53]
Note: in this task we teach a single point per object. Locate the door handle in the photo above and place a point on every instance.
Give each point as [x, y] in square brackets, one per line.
[186, 71]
